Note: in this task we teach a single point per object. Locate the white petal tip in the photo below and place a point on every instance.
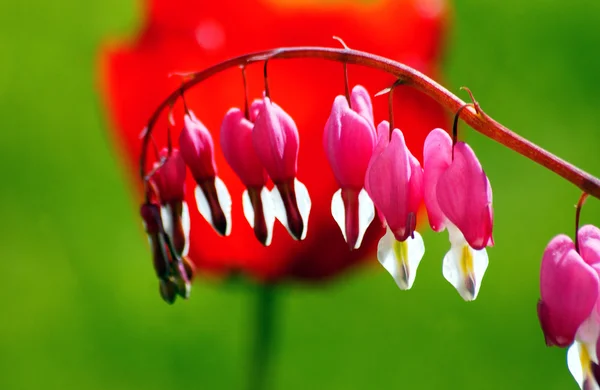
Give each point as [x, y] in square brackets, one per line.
[303, 204]
[264, 231]
[365, 210]
[580, 366]
[401, 259]
[464, 267]
[222, 222]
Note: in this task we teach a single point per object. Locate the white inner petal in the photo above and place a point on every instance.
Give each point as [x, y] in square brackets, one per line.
[464, 267]
[304, 204]
[401, 259]
[574, 363]
[454, 234]
[480, 264]
[279, 208]
[588, 333]
[167, 221]
[269, 213]
[579, 363]
[202, 204]
[366, 214]
[185, 221]
[248, 209]
[338, 211]
[224, 201]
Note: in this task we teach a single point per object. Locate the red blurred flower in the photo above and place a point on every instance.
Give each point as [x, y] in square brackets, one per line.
[189, 35]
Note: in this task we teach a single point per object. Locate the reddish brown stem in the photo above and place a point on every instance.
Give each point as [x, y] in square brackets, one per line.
[477, 119]
[577, 215]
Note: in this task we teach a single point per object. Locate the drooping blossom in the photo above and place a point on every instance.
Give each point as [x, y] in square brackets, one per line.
[395, 183]
[212, 197]
[348, 140]
[569, 308]
[383, 139]
[238, 149]
[165, 215]
[168, 180]
[458, 196]
[190, 35]
[276, 143]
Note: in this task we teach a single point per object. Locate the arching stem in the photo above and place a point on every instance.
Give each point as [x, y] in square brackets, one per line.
[474, 117]
[455, 126]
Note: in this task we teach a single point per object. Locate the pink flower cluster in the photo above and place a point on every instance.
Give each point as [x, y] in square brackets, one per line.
[375, 171]
[259, 146]
[569, 308]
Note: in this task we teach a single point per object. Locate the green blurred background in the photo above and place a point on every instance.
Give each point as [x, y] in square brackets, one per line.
[80, 307]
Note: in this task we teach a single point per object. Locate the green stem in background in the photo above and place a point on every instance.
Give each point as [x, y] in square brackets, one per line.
[264, 311]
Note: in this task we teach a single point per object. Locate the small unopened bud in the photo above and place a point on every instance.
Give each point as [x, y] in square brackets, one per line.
[168, 290]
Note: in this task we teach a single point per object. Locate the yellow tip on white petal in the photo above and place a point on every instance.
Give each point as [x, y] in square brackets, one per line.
[401, 258]
[579, 361]
[464, 268]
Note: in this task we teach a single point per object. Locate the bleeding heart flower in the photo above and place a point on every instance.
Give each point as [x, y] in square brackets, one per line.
[569, 290]
[212, 198]
[190, 35]
[395, 182]
[458, 196]
[348, 140]
[569, 308]
[276, 142]
[166, 220]
[168, 179]
[238, 149]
